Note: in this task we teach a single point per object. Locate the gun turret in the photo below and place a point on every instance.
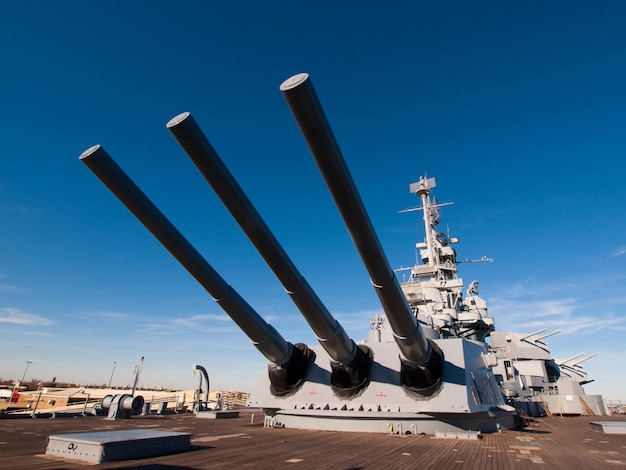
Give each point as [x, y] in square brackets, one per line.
[422, 360]
[350, 364]
[288, 362]
[364, 386]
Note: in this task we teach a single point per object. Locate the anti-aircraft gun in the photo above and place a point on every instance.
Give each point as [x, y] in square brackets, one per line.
[419, 384]
[536, 383]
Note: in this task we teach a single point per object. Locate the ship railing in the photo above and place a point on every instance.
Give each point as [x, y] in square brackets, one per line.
[81, 407]
[617, 407]
[161, 403]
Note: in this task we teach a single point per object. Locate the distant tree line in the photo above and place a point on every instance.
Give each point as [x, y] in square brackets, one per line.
[34, 384]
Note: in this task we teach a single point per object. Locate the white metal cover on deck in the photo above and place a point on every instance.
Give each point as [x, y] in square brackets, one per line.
[110, 446]
[609, 427]
[217, 414]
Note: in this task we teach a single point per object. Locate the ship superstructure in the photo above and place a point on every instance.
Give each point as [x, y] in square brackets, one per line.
[433, 289]
[529, 377]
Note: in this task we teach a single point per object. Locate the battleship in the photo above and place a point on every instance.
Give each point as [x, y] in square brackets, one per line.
[424, 368]
[433, 383]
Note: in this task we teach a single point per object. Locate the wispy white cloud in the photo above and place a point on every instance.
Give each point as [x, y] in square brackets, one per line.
[26, 333]
[201, 320]
[569, 325]
[136, 324]
[169, 330]
[112, 314]
[570, 306]
[98, 315]
[621, 251]
[527, 308]
[11, 289]
[357, 324]
[18, 317]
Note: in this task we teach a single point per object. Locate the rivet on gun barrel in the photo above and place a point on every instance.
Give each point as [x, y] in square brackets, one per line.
[422, 360]
[350, 363]
[288, 362]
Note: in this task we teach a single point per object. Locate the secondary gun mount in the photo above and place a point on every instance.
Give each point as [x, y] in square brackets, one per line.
[422, 360]
[288, 362]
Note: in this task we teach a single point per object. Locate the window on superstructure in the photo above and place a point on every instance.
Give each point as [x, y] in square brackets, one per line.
[509, 370]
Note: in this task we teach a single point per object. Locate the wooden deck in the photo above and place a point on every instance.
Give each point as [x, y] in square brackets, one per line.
[554, 442]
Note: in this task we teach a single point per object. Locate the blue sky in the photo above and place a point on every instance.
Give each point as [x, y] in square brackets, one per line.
[518, 111]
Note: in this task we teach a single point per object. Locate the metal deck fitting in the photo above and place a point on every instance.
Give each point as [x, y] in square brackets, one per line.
[473, 435]
[217, 414]
[609, 427]
[111, 446]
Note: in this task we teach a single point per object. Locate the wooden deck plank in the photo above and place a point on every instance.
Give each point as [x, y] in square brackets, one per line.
[554, 442]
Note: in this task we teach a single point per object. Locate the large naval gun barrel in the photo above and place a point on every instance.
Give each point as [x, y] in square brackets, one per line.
[350, 364]
[288, 362]
[570, 359]
[422, 361]
[590, 356]
[530, 335]
[547, 335]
